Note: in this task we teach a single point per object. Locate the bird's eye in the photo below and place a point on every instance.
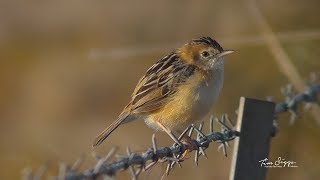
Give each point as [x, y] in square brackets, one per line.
[205, 54]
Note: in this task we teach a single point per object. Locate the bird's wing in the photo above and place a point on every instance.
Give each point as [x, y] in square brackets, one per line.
[153, 91]
[159, 84]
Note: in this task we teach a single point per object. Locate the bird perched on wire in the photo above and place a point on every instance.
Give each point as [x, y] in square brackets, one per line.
[176, 91]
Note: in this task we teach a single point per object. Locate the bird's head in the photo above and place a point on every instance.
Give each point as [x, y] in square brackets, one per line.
[204, 52]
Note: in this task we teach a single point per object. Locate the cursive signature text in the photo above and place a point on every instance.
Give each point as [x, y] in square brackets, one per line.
[279, 163]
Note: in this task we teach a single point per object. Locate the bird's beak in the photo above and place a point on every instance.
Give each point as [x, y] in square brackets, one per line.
[225, 52]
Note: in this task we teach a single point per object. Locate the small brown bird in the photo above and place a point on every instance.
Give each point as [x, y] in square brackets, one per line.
[176, 91]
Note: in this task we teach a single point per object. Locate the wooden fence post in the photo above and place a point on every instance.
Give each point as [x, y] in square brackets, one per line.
[255, 119]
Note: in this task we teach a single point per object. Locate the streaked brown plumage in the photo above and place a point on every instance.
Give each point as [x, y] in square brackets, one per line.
[177, 90]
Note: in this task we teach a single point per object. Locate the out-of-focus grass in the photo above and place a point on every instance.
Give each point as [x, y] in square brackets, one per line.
[55, 97]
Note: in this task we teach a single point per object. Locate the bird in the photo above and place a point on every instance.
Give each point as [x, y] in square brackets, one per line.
[176, 91]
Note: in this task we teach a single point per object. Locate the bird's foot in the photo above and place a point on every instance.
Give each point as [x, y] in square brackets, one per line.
[190, 145]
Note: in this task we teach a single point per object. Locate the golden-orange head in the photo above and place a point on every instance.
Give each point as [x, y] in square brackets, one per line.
[203, 52]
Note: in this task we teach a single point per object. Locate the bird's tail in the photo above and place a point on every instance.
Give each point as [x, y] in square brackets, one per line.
[123, 118]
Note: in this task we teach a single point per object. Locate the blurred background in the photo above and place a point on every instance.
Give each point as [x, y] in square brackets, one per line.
[67, 68]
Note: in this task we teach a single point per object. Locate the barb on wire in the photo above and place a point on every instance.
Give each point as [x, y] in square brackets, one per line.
[292, 101]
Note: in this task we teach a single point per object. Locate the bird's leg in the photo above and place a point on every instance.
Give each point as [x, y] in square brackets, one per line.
[169, 132]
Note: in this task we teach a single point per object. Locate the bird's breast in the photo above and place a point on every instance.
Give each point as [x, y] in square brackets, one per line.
[206, 94]
[192, 101]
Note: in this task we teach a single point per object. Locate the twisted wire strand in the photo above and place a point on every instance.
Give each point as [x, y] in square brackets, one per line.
[154, 154]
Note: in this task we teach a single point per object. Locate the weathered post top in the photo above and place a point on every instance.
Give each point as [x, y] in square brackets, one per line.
[255, 119]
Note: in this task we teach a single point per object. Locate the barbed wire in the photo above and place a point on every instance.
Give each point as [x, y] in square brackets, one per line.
[144, 161]
[174, 155]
